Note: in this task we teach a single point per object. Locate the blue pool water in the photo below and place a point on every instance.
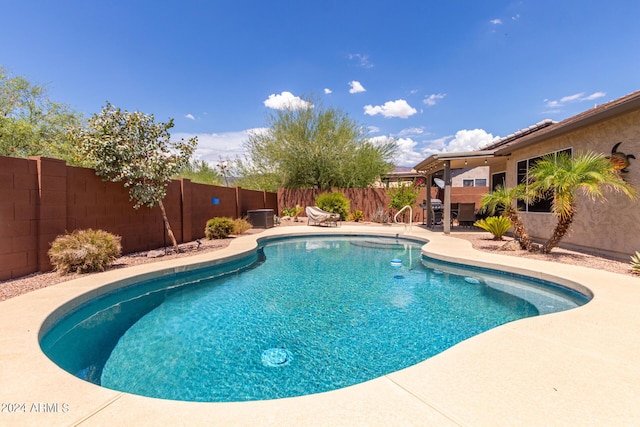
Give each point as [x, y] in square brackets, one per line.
[301, 316]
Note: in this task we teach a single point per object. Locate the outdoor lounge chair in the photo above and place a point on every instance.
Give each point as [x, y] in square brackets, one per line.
[316, 216]
[466, 214]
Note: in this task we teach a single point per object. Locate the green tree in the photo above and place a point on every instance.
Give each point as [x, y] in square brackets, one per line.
[253, 175]
[315, 147]
[504, 200]
[563, 177]
[132, 148]
[201, 172]
[31, 124]
[405, 194]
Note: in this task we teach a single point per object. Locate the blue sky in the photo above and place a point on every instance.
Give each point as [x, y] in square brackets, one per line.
[434, 75]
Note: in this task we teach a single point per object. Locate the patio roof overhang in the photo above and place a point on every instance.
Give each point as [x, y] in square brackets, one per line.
[470, 159]
[447, 162]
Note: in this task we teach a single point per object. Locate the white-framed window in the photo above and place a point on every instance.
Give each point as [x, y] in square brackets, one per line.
[478, 182]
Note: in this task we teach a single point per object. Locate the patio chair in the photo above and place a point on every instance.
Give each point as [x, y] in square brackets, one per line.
[466, 214]
[316, 216]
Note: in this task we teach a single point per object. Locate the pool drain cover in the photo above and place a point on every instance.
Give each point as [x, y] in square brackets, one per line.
[275, 357]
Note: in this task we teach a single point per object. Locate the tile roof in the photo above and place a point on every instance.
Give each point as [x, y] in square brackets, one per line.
[518, 134]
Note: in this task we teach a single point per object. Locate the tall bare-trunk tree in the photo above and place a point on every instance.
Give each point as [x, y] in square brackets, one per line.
[132, 148]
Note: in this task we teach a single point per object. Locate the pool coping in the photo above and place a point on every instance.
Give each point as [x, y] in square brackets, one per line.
[576, 367]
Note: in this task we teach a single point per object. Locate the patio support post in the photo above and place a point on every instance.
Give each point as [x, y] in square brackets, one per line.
[446, 220]
[429, 208]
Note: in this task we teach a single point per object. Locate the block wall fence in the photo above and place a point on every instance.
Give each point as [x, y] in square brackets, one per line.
[41, 198]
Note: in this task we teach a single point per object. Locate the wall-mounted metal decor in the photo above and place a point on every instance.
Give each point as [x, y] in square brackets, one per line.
[620, 160]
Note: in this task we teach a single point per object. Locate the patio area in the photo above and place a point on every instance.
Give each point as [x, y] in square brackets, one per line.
[571, 368]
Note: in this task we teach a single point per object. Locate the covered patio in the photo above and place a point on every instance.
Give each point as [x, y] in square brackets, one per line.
[439, 166]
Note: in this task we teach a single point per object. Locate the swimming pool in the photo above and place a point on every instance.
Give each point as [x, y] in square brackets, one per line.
[299, 316]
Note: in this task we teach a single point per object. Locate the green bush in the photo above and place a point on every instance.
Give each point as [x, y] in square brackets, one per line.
[288, 212]
[635, 263]
[403, 195]
[293, 212]
[334, 202]
[218, 228]
[240, 225]
[356, 216]
[84, 251]
[496, 225]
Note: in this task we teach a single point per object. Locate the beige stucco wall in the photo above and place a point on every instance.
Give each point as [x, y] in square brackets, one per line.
[457, 176]
[611, 227]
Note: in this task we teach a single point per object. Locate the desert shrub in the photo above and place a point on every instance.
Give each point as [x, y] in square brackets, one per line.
[380, 216]
[635, 263]
[218, 228]
[356, 216]
[84, 251]
[240, 225]
[293, 212]
[496, 225]
[334, 202]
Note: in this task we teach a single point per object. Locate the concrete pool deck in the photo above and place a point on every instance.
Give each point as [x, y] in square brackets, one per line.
[578, 367]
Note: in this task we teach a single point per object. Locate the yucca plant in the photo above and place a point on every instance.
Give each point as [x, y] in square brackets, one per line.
[380, 216]
[635, 263]
[356, 216]
[496, 225]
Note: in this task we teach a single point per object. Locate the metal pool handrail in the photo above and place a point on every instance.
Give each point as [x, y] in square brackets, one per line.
[395, 218]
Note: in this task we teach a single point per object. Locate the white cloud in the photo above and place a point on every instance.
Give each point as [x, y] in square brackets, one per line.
[380, 139]
[407, 154]
[412, 151]
[286, 100]
[432, 99]
[356, 87]
[411, 131]
[496, 21]
[327, 91]
[214, 146]
[515, 17]
[363, 60]
[578, 97]
[399, 108]
[190, 117]
[595, 95]
[468, 140]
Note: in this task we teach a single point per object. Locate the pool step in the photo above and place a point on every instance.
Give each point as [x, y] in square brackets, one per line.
[378, 244]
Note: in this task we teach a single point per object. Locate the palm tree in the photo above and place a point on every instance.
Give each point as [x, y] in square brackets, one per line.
[563, 177]
[502, 199]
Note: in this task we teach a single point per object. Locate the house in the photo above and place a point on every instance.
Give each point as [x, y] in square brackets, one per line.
[466, 177]
[610, 228]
